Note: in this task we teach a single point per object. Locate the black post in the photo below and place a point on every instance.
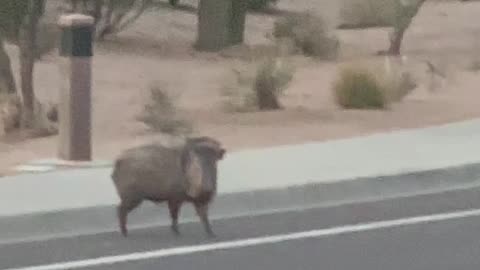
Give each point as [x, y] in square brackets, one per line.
[75, 95]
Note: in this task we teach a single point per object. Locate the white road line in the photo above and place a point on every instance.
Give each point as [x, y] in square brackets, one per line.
[251, 241]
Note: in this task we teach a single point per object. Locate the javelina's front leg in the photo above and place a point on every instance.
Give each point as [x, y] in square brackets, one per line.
[174, 208]
[202, 212]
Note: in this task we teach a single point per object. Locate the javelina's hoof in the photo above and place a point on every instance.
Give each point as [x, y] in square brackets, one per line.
[175, 230]
[211, 235]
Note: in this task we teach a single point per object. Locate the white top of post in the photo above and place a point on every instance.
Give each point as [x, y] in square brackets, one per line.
[76, 19]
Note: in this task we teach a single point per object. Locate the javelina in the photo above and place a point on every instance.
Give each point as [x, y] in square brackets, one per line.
[157, 173]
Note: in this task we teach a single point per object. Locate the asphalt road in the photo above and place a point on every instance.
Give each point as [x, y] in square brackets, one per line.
[384, 235]
[446, 245]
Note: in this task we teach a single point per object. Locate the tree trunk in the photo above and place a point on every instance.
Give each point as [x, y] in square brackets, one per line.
[97, 10]
[104, 26]
[221, 23]
[7, 81]
[266, 93]
[237, 22]
[28, 34]
[406, 18]
[396, 42]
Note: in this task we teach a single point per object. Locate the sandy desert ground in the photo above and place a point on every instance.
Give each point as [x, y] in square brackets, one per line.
[158, 48]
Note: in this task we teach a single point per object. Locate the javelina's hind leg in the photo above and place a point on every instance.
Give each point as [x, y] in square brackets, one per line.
[174, 208]
[122, 210]
[202, 212]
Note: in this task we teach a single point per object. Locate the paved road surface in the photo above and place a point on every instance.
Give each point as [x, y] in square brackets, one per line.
[383, 235]
[444, 245]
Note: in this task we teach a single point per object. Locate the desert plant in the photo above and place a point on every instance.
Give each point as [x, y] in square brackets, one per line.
[308, 33]
[358, 88]
[271, 80]
[11, 112]
[260, 90]
[160, 114]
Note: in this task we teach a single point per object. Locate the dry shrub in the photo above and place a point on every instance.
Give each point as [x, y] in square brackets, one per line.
[308, 33]
[399, 85]
[11, 118]
[366, 13]
[10, 112]
[260, 90]
[272, 78]
[43, 125]
[360, 87]
[160, 114]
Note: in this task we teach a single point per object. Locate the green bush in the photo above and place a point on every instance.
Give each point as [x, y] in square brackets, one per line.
[160, 114]
[358, 88]
[362, 88]
[308, 33]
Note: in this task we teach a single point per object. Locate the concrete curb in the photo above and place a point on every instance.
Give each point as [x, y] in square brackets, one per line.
[46, 225]
[49, 165]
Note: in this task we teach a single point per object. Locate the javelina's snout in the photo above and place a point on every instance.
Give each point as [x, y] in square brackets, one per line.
[157, 173]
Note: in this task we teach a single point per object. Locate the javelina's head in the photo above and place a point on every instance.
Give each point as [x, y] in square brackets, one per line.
[208, 147]
[199, 162]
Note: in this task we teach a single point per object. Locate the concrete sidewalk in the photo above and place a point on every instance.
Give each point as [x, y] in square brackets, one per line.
[448, 152]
